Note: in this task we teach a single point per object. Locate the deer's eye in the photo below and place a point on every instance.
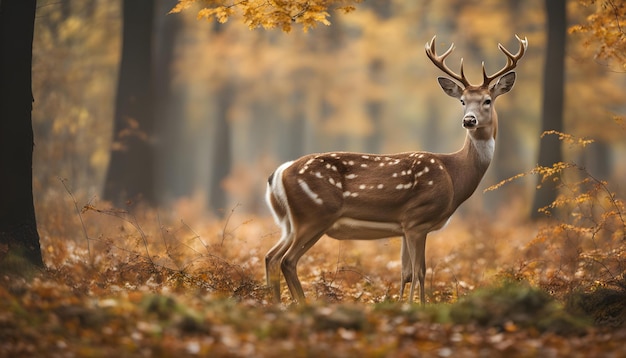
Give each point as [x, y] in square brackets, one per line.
[487, 102]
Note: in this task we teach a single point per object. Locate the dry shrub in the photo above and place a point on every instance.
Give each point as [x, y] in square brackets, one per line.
[581, 248]
[140, 249]
[586, 246]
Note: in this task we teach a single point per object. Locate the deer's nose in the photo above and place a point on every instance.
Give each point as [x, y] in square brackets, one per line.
[469, 121]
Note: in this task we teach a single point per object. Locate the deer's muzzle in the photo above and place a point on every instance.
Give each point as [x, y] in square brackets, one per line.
[470, 121]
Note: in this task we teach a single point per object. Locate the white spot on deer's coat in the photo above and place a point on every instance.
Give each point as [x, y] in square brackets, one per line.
[338, 185]
[308, 162]
[400, 186]
[365, 156]
[381, 164]
[333, 154]
[334, 168]
[380, 186]
[421, 156]
[426, 170]
[302, 171]
[363, 165]
[346, 194]
[331, 181]
[319, 175]
[394, 175]
[430, 182]
[408, 185]
[351, 162]
[362, 186]
[351, 176]
[310, 193]
[432, 161]
[354, 195]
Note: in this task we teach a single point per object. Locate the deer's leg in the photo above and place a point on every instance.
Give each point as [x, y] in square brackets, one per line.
[407, 267]
[416, 246]
[304, 239]
[272, 263]
[421, 252]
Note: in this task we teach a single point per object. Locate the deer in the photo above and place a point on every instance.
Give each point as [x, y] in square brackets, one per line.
[364, 196]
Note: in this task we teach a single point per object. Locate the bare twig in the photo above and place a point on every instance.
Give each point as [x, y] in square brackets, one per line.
[197, 236]
[129, 218]
[224, 233]
[80, 217]
[617, 19]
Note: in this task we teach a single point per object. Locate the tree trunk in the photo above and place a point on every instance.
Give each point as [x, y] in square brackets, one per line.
[171, 156]
[222, 153]
[552, 109]
[131, 168]
[18, 227]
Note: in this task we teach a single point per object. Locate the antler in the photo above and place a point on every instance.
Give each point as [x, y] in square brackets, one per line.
[439, 62]
[511, 61]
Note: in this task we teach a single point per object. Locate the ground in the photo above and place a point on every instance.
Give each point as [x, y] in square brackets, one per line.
[148, 285]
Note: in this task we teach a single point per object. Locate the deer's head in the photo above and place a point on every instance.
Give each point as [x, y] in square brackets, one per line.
[477, 100]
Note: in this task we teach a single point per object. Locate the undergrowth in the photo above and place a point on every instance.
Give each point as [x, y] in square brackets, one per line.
[579, 254]
[572, 267]
[142, 282]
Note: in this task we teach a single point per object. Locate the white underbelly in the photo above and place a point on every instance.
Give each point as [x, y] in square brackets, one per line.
[355, 229]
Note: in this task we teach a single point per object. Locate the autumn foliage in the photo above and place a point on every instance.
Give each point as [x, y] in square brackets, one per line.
[270, 14]
[604, 31]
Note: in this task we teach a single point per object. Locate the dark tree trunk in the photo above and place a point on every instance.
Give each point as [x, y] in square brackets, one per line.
[18, 227]
[552, 109]
[131, 168]
[222, 160]
[170, 153]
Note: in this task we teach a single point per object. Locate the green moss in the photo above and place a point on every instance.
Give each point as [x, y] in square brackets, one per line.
[15, 263]
[519, 305]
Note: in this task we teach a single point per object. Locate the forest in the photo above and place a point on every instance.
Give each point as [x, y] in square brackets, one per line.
[133, 218]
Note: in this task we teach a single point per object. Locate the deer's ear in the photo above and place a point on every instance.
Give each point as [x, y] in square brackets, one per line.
[504, 84]
[450, 87]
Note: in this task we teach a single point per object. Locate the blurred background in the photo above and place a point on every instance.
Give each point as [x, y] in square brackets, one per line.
[223, 105]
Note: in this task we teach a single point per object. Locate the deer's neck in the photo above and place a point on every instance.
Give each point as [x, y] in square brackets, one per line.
[468, 165]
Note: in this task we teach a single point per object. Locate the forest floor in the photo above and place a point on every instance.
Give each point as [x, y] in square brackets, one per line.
[121, 285]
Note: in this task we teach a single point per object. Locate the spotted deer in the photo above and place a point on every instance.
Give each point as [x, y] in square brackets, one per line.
[348, 195]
